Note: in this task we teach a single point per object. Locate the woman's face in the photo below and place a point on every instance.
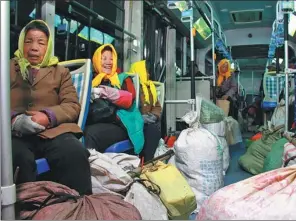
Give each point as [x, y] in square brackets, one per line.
[224, 67]
[35, 46]
[107, 62]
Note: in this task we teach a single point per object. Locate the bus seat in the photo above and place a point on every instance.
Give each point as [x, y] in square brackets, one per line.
[126, 145]
[120, 147]
[81, 78]
[268, 105]
[272, 86]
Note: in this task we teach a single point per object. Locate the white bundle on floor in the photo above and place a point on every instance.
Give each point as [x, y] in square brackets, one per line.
[279, 113]
[232, 131]
[198, 155]
[148, 204]
[288, 154]
[109, 171]
[267, 196]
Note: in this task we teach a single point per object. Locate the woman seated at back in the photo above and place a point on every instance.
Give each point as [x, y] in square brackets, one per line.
[150, 109]
[227, 87]
[118, 90]
[44, 109]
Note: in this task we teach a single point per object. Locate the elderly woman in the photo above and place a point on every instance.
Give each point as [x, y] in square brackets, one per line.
[118, 90]
[44, 111]
[227, 87]
[150, 109]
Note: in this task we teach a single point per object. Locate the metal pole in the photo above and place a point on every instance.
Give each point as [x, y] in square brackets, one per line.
[178, 101]
[47, 15]
[252, 86]
[196, 78]
[213, 53]
[76, 41]
[68, 39]
[99, 17]
[286, 17]
[7, 186]
[16, 13]
[277, 89]
[184, 56]
[238, 82]
[192, 59]
[38, 5]
[90, 19]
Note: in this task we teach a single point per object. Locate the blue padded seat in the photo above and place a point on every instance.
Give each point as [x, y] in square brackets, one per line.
[268, 105]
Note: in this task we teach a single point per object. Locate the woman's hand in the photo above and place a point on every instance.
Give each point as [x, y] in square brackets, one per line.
[96, 93]
[225, 97]
[39, 117]
[24, 125]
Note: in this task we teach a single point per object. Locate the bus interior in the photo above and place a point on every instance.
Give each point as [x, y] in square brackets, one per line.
[182, 43]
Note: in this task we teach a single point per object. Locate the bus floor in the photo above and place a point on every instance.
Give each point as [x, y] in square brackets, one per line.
[234, 173]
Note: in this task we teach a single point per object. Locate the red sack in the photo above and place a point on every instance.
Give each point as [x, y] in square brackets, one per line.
[52, 201]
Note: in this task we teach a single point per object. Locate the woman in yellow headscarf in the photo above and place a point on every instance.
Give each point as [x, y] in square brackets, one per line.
[227, 86]
[44, 110]
[118, 90]
[150, 109]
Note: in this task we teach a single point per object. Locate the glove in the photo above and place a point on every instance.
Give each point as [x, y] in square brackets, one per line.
[149, 118]
[96, 93]
[24, 125]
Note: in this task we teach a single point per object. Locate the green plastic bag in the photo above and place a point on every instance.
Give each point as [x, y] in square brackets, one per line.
[210, 113]
[248, 142]
[253, 160]
[274, 157]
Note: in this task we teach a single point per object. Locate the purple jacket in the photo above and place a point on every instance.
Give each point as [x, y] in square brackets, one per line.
[229, 87]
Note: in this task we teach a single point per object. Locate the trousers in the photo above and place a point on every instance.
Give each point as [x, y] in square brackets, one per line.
[66, 156]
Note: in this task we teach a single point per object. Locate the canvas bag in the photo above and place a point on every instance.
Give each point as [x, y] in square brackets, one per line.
[232, 131]
[267, 196]
[199, 157]
[173, 189]
[289, 154]
[148, 203]
[53, 201]
[106, 175]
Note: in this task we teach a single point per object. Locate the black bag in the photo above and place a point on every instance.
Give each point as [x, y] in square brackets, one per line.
[101, 111]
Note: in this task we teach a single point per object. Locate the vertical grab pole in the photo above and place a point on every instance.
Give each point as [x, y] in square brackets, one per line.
[68, 39]
[286, 20]
[8, 194]
[252, 86]
[184, 56]
[192, 57]
[213, 50]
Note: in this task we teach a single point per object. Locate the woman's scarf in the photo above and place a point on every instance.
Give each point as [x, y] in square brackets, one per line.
[97, 64]
[223, 75]
[23, 63]
[140, 69]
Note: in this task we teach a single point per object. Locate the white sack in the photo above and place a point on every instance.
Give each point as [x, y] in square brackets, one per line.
[199, 157]
[148, 204]
[106, 175]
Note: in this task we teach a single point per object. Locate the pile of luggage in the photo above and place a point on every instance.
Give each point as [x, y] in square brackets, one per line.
[270, 194]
